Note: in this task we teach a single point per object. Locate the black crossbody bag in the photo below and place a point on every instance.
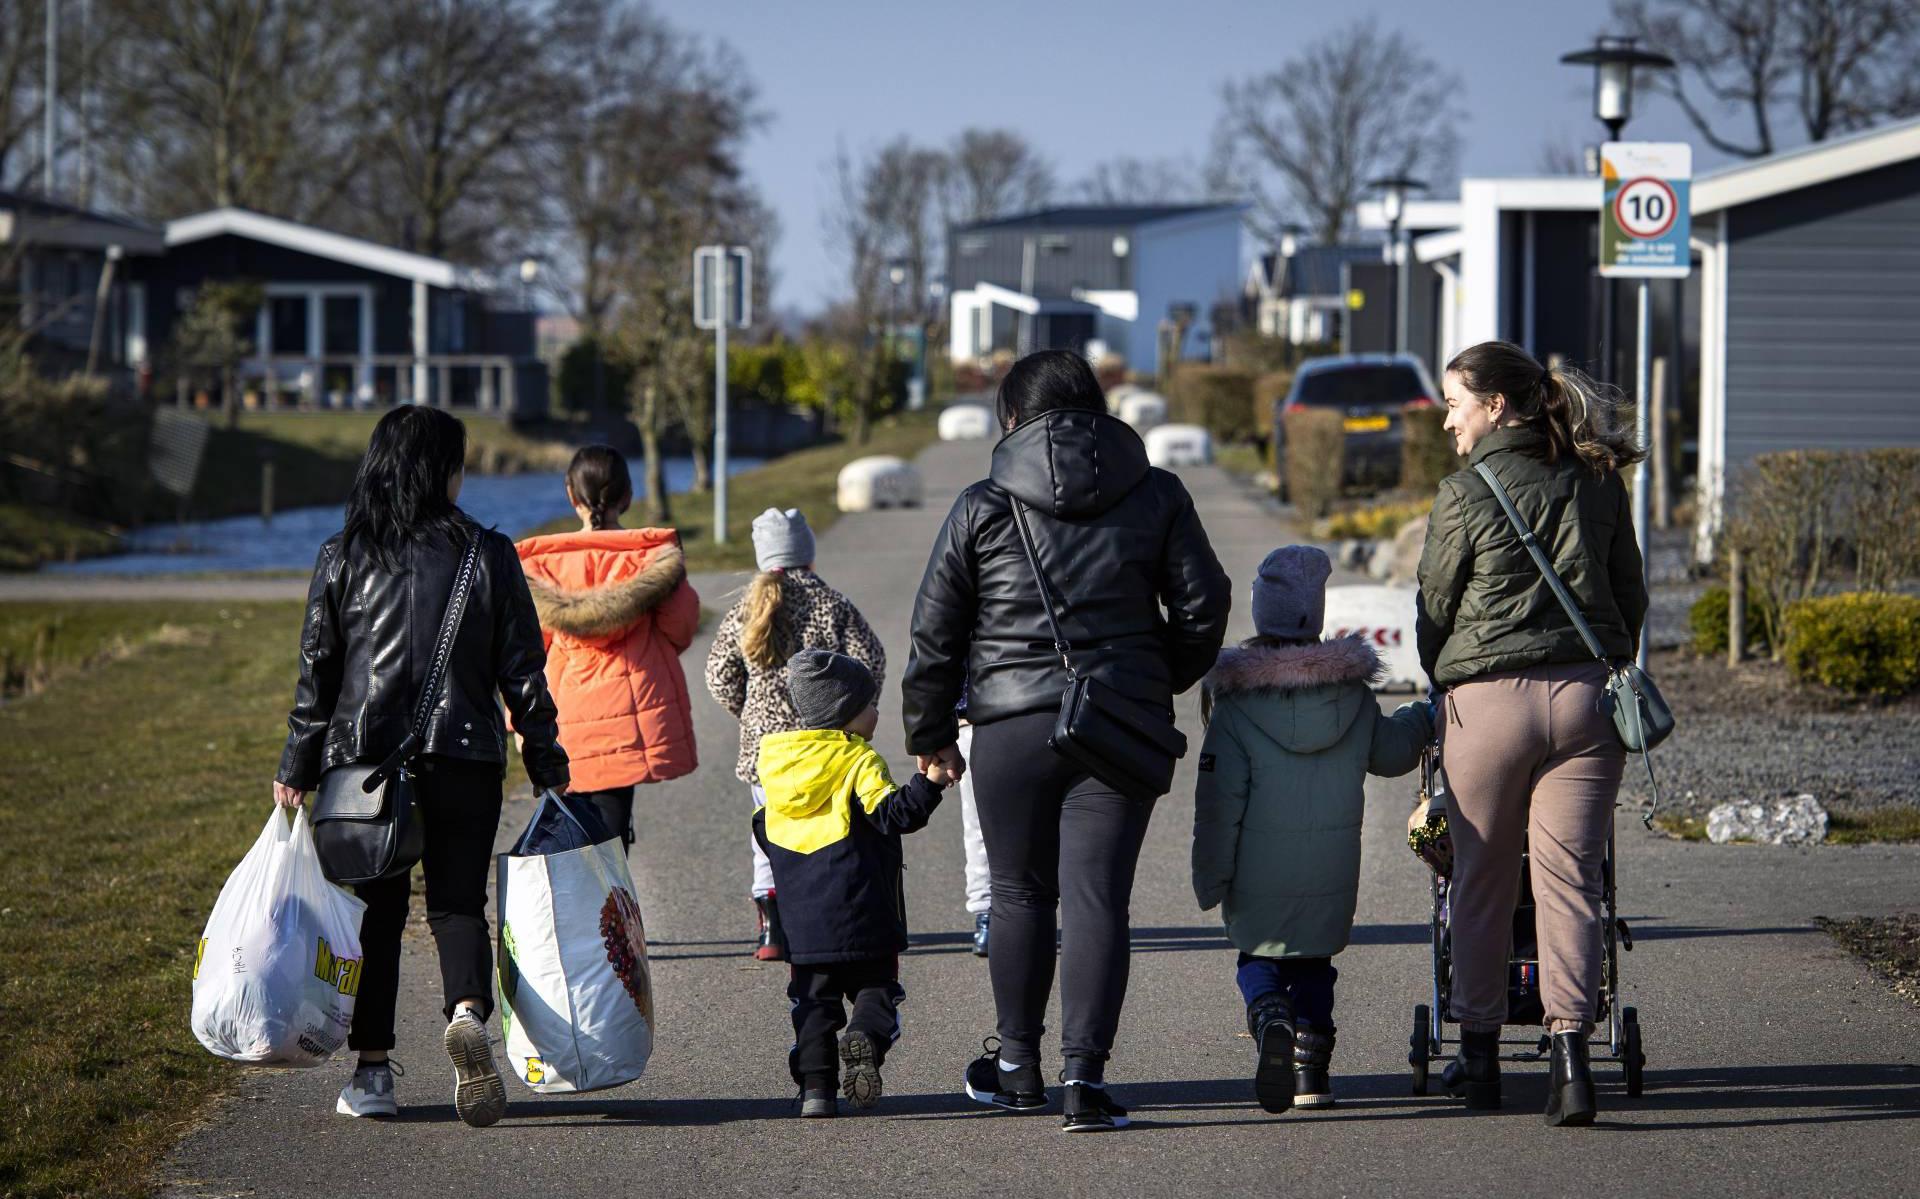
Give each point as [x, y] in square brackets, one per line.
[1130, 746]
[366, 818]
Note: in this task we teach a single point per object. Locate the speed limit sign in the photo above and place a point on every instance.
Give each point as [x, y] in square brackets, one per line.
[1643, 217]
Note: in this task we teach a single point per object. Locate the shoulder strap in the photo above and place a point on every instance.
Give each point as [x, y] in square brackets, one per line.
[1532, 543]
[1060, 645]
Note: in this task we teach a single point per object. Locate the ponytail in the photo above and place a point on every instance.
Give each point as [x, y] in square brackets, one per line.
[597, 480]
[1580, 417]
[760, 642]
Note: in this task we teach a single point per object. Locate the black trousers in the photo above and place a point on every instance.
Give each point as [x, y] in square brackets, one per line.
[1061, 847]
[818, 995]
[460, 811]
[614, 807]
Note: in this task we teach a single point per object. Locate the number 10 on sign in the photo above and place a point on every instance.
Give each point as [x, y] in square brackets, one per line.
[1644, 213]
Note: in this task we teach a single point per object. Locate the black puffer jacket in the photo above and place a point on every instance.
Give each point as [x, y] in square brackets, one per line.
[368, 642]
[1117, 539]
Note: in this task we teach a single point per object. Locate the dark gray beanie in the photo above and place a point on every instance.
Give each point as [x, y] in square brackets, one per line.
[1290, 593]
[828, 689]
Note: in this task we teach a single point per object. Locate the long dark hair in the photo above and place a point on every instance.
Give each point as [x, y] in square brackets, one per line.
[400, 494]
[597, 479]
[1579, 416]
[1044, 381]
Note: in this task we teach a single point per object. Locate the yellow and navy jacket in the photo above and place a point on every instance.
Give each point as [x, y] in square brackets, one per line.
[831, 828]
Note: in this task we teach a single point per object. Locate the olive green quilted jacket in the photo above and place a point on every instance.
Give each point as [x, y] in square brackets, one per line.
[1484, 606]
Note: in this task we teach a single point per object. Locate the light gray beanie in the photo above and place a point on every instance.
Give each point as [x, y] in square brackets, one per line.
[828, 689]
[782, 539]
[1290, 593]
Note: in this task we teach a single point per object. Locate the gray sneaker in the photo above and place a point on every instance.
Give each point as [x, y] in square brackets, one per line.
[479, 1096]
[370, 1092]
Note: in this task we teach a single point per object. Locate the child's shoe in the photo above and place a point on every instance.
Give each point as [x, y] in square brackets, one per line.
[1090, 1109]
[860, 1078]
[1270, 1020]
[818, 1103]
[1312, 1058]
[771, 940]
[1015, 1088]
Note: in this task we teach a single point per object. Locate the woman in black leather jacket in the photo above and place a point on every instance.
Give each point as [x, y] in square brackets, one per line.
[374, 609]
[1144, 605]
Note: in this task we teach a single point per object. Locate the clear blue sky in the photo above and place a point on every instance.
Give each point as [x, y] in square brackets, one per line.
[1087, 80]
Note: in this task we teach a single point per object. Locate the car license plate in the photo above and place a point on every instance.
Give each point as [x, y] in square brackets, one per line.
[1366, 424]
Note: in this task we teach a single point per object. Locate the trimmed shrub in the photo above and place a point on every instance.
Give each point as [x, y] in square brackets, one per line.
[1374, 522]
[1708, 620]
[1426, 449]
[1316, 456]
[1860, 642]
[1268, 392]
[1218, 399]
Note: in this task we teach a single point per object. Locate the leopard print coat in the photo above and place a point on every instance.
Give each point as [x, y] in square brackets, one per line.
[813, 616]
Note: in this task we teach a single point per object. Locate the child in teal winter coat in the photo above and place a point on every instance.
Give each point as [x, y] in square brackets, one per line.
[1293, 730]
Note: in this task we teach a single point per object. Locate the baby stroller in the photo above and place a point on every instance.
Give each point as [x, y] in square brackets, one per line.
[1524, 1006]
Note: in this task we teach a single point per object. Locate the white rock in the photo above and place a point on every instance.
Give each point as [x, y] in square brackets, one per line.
[1407, 545]
[1143, 410]
[1352, 554]
[1179, 445]
[1797, 821]
[879, 481]
[1380, 561]
[966, 422]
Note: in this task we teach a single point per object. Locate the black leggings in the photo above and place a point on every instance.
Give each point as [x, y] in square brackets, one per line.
[614, 807]
[459, 811]
[1057, 839]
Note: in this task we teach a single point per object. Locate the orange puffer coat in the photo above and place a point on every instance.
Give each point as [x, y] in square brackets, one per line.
[616, 612]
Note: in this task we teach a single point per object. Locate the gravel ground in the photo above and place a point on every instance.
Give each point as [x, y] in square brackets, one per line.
[1889, 944]
[1754, 734]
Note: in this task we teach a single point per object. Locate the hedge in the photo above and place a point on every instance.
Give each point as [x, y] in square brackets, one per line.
[1268, 392]
[1426, 449]
[1860, 642]
[1218, 399]
[1316, 458]
[1711, 630]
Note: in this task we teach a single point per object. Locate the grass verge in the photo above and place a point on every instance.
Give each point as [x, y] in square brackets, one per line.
[1242, 460]
[134, 787]
[805, 479]
[1889, 945]
[32, 535]
[1870, 827]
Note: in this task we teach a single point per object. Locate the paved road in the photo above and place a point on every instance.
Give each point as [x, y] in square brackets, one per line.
[1777, 1064]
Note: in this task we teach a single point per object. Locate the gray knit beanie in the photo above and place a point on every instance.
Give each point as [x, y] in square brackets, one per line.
[1290, 593]
[828, 689]
[782, 539]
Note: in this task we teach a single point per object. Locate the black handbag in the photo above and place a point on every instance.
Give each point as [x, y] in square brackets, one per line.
[1129, 745]
[366, 818]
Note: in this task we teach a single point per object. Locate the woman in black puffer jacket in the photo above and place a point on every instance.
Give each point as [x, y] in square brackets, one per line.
[1144, 604]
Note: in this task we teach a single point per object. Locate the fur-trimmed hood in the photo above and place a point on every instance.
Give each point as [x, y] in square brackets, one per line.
[1302, 697]
[609, 608]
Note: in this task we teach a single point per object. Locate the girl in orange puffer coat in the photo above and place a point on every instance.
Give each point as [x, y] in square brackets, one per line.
[616, 612]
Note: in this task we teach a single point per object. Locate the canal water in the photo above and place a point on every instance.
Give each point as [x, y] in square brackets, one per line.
[514, 504]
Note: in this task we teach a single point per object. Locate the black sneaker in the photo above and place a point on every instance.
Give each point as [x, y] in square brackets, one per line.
[1018, 1089]
[818, 1104]
[1091, 1109]
[860, 1075]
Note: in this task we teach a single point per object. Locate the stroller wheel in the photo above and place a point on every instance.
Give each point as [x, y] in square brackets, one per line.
[1632, 1055]
[1420, 1048]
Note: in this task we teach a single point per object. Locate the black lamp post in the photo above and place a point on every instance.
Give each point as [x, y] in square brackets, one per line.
[1394, 190]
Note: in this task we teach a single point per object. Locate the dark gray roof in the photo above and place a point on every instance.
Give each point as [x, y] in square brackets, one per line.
[1081, 216]
[39, 205]
[1315, 270]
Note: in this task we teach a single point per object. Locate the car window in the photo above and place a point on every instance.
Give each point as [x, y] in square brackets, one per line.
[1360, 387]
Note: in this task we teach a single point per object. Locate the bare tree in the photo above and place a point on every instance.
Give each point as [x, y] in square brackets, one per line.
[1351, 107]
[1835, 65]
[1129, 180]
[1557, 157]
[991, 173]
[23, 26]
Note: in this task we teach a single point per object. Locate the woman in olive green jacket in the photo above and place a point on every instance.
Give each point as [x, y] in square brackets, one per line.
[1532, 758]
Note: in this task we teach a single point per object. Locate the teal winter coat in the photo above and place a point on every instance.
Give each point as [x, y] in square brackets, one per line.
[1293, 733]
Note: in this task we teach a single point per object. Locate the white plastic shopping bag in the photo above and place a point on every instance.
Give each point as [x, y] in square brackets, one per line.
[278, 967]
[576, 1001]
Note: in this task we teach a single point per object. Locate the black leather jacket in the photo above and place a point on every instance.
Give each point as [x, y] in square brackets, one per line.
[367, 644]
[1117, 539]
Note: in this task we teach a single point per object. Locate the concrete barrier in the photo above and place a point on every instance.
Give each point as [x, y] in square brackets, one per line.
[966, 422]
[1143, 410]
[879, 481]
[1118, 393]
[1383, 616]
[1179, 445]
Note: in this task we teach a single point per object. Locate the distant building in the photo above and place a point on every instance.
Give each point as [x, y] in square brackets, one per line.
[1302, 297]
[53, 257]
[347, 321]
[1090, 276]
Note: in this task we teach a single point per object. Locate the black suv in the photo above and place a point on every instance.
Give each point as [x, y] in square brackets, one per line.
[1371, 391]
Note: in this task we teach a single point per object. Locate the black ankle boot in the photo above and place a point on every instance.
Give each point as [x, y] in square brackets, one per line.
[1474, 1073]
[1570, 1098]
[1312, 1060]
[1270, 1020]
[771, 945]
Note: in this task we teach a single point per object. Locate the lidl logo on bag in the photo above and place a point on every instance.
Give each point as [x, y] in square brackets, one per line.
[342, 974]
[536, 1071]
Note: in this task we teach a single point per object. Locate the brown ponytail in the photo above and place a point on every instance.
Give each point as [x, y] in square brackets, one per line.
[761, 642]
[1579, 416]
[597, 480]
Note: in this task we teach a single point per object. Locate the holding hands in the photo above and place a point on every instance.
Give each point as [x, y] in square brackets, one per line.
[943, 767]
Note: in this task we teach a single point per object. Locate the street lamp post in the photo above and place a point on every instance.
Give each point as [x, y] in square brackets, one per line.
[1393, 202]
[529, 272]
[1613, 60]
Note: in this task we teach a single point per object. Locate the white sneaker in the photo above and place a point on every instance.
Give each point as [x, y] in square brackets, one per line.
[479, 1096]
[370, 1093]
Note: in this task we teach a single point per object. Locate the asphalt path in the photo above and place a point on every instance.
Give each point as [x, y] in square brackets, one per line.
[1777, 1064]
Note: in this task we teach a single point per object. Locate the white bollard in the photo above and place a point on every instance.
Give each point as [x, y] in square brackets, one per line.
[1179, 445]
[879, 481]
[966, 422]
[1383, 617]
[1143, 410]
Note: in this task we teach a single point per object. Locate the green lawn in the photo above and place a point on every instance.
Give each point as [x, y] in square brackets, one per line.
[1867, 827]
[30, 536]
[134, 786]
